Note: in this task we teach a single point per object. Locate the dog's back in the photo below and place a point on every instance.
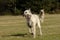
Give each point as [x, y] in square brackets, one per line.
[35, 18]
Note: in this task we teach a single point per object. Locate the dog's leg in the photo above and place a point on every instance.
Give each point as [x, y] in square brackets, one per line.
[30, 28]
[30, 31]
[34, 31]
[39, 28]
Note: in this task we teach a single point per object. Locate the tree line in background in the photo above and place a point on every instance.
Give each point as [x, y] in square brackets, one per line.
[16, 7]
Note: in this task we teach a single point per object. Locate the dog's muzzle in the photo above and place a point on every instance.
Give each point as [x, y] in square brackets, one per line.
[27, 16]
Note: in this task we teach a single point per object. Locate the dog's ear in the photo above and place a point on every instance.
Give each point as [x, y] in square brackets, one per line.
[29, 10]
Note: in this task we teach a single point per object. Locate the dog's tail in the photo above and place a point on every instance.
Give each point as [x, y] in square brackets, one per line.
[41, 15]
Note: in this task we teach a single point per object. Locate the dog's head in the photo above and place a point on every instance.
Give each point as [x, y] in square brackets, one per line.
[27, 13]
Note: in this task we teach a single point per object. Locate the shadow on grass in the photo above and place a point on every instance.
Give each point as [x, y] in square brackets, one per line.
[20, 35]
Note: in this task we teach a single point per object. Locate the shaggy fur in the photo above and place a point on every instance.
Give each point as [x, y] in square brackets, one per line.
[33, 20]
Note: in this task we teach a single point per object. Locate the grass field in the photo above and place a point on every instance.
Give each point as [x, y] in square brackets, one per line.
[15, 28]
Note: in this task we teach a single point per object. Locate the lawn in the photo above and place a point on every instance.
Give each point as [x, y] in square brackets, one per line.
[15, 28]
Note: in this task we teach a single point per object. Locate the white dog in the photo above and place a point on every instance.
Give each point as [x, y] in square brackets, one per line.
[33, 20]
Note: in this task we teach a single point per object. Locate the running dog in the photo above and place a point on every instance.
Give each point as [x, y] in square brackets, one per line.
[33, 20]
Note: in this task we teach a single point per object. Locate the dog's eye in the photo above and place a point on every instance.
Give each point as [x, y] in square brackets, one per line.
[25, 12]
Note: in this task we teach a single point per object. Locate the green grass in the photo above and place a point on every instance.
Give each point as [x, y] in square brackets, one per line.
[15, 28]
